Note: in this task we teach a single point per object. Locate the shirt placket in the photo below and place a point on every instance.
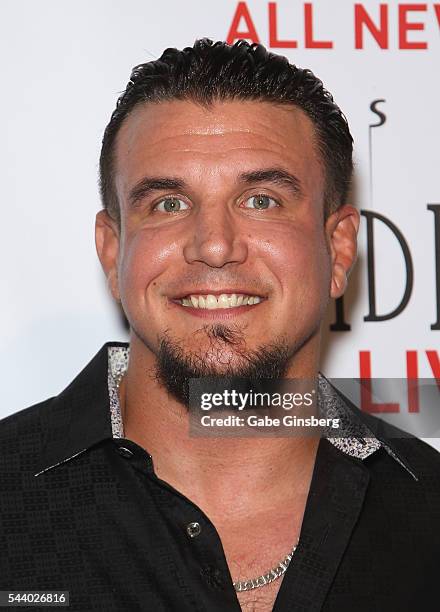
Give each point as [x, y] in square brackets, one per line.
[336, 497]
[190, 536]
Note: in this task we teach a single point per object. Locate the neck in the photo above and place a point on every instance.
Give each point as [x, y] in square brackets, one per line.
[242, 466]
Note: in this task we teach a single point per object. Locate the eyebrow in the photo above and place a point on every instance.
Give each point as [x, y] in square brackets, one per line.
[276, 176]
[147, 185]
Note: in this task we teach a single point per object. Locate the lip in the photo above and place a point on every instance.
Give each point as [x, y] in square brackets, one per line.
[202, 291]
[215, 313]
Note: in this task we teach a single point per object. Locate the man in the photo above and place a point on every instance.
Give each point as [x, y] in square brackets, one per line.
[224, 233]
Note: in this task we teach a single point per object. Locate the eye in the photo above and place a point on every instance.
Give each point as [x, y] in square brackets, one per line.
[260, 202]
[171, 205]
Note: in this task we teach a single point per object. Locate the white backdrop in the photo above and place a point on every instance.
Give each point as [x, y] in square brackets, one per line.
[64, 63]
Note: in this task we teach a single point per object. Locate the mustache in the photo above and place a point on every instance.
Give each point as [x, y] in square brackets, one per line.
[216, 281]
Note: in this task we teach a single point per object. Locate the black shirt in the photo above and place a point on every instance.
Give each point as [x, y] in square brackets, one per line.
[82, 510]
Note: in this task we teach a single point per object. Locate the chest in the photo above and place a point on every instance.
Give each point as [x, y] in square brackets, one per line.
[261, 599]
[251, 553]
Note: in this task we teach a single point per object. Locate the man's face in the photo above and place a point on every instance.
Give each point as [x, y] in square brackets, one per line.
[224, 202]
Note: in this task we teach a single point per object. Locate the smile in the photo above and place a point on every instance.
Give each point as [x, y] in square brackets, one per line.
[224, 300]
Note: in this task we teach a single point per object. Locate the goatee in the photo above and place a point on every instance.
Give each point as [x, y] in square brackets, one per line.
[175, 366]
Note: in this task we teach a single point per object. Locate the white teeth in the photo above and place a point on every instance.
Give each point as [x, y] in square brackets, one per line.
[223, 301]
[211, 302]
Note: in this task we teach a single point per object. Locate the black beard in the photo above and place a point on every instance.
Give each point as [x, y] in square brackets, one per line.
[175, 368]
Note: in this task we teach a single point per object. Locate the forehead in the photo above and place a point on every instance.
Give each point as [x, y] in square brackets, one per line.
[215, 144]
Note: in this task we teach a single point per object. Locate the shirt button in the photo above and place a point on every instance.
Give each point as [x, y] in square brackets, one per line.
[125, 452]
[193, 529]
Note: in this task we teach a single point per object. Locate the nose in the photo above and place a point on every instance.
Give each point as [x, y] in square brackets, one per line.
[215, 239]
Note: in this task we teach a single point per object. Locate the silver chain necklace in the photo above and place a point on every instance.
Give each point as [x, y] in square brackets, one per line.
[270, 576]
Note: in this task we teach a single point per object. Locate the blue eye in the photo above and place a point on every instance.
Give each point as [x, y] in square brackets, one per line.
[261, 202]
[171, 205]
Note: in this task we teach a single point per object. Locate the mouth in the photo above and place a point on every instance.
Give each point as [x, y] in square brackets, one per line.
[218, 301]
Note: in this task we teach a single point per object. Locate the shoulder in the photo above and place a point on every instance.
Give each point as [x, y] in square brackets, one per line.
[26, 418]
[23, 433]
[80, 403]
[423, 457]
[412, 450]
[400, 448]
[405, 478]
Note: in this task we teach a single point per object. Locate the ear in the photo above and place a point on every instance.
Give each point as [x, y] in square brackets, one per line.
[341, 229]
[107, 246]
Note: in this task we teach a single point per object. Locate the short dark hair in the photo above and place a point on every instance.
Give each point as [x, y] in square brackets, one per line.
[216, 71]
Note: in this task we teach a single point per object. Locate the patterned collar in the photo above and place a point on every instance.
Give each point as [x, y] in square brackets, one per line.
[358, 439]
[87, 412]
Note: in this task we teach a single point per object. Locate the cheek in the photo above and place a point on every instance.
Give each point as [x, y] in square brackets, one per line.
[301, 262]
[144, 259]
